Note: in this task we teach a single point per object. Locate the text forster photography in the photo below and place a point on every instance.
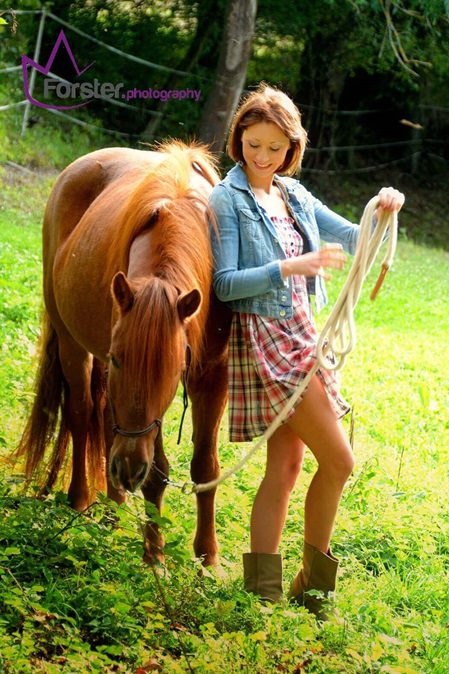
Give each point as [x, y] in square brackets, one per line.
[97, 89]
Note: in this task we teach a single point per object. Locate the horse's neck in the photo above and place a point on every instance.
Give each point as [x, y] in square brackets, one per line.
[141, 256]
[148, 257]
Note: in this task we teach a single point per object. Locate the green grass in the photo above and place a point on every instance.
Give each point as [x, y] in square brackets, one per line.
[74, 594]
[50, 142]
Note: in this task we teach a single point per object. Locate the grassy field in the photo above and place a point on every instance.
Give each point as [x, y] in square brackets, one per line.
[74, 594]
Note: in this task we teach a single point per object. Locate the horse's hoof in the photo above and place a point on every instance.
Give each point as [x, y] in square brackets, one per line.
[157, 563]
[79, 503]
[212, 571]
[153, 554]
[210, 560]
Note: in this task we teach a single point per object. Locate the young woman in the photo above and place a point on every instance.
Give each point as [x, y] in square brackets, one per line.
[268, 262]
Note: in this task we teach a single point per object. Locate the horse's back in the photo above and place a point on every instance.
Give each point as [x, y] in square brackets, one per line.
[84, 180]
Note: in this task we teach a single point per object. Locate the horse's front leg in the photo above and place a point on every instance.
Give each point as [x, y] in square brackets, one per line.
[208, 395]
[153, 492]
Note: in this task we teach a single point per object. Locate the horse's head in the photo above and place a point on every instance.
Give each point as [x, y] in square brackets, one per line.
[147, 358]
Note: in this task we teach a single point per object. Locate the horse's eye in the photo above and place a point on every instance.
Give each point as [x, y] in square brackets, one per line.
[114, 360]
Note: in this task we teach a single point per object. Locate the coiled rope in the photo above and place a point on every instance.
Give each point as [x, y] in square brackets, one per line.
[338, 335]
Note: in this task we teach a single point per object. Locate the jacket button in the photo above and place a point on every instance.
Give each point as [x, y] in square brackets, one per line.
[284, 298]
[282, 313]
[276, 241]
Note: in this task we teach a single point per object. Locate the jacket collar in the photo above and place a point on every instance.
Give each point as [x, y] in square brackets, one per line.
[237, 178]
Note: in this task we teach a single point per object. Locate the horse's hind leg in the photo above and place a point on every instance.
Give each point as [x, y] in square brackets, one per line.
[153, 491]
[208, 395]
[76, 365]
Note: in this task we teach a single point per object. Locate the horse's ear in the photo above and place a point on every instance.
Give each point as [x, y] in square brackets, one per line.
[189, 304]
[122, 292]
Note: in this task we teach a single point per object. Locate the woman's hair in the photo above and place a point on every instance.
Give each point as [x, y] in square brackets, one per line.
[268, 104]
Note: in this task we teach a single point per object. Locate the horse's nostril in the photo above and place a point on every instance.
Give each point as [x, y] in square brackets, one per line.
[141, 473]
[115, 468]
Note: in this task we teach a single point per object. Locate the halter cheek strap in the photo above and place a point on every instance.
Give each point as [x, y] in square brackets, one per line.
[157, 422]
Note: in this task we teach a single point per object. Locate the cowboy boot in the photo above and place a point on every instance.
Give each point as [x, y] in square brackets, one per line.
[318, 572]
[262, 575]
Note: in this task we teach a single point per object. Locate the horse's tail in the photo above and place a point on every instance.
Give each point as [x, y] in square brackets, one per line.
[42, 425]
[47, 425]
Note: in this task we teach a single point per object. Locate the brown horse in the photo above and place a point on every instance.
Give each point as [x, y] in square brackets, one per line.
[127, 289]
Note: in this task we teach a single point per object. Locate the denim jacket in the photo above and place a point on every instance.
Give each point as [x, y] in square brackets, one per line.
[247, 253]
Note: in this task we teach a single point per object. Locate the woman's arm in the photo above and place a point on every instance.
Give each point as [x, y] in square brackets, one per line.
[231, 282]
[334, 228]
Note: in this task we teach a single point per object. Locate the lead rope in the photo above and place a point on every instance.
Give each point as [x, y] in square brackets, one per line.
[338, 334]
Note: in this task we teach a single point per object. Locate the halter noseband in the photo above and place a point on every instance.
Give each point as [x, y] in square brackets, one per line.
[130, 434]
[134, 434]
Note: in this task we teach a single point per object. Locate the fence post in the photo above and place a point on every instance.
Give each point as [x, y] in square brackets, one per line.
[37, 51]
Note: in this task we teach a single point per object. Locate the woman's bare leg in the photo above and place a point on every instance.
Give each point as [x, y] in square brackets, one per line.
[285, 453]
[316, 423]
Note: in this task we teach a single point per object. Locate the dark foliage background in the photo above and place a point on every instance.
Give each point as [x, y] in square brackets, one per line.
[370, 77]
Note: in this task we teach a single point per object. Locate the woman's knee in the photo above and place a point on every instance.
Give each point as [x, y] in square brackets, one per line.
[283, 476]
[348, 464]
[285, 457]
[290, 475]
[338, 464]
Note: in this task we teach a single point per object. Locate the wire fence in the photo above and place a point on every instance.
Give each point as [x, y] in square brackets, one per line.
[419, 144]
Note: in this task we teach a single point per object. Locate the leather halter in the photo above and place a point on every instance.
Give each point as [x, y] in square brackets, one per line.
[157, 422]
[134, 434]
[130, 434]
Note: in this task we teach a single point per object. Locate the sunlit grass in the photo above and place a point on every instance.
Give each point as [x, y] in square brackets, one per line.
[81, 601]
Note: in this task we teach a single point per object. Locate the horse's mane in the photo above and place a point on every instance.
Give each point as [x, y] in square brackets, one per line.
[165, 199]
[152, 326]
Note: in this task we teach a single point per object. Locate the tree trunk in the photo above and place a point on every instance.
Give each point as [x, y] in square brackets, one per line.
[231, 73]
[210, 16]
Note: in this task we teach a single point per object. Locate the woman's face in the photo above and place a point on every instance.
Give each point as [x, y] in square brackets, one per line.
[264, 147]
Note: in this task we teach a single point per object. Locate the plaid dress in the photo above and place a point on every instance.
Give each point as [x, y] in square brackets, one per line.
[269, 358]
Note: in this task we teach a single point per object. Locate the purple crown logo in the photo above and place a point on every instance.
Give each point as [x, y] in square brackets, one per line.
[26, 61]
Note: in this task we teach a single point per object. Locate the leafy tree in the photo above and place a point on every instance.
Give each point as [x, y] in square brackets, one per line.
[331, 56]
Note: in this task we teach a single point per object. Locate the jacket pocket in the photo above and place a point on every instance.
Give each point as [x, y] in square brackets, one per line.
[251, 222]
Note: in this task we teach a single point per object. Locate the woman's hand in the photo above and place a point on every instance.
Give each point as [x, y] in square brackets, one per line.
[331, 256]
[390, 199]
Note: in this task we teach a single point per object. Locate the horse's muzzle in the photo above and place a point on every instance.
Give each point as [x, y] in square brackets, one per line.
[126, 475]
